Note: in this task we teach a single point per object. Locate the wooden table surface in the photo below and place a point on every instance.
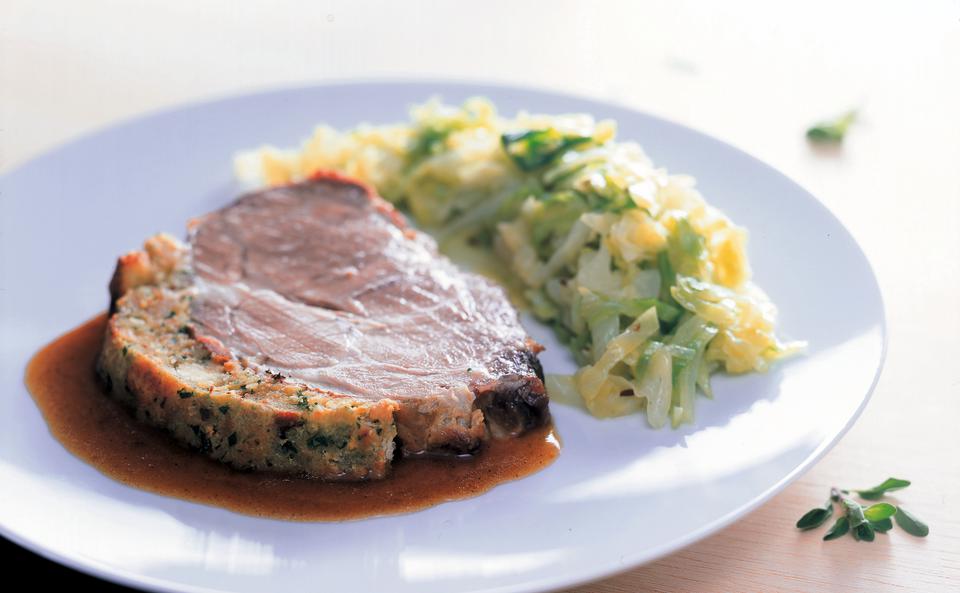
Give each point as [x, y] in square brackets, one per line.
[753, 74]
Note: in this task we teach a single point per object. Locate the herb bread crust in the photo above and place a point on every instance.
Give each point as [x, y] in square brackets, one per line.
[206, 400]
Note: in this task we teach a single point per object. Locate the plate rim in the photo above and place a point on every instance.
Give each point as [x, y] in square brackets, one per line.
[628, 561]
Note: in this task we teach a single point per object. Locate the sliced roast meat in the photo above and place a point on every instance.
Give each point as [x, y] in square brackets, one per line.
[325, 284]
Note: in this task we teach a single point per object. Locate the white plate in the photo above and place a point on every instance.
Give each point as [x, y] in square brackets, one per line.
[619, 495]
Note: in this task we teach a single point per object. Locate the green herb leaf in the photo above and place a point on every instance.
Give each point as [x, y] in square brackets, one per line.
[839, 529]
[888, 485]
[859, 525]
[909, 523]
[863, 532]
[184, 393]
[879, 511]
[816, 517]
[854, 511]
[533, 149]
[428, 143]
[832, 131]
[864, 522]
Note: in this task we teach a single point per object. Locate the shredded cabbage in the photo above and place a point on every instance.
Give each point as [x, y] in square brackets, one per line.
[646, 283]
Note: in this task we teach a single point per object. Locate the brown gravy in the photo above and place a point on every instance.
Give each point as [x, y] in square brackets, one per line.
[101, 432]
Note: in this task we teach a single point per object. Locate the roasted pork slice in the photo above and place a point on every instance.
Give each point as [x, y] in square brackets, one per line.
[330, 325]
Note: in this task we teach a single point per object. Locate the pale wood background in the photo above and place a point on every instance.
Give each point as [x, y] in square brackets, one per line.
[752, 73]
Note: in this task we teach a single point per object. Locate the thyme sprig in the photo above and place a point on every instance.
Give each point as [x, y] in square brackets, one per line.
[832, 131]
[863, 521]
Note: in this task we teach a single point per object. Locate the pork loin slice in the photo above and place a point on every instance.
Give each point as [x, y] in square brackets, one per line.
[322, 293]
